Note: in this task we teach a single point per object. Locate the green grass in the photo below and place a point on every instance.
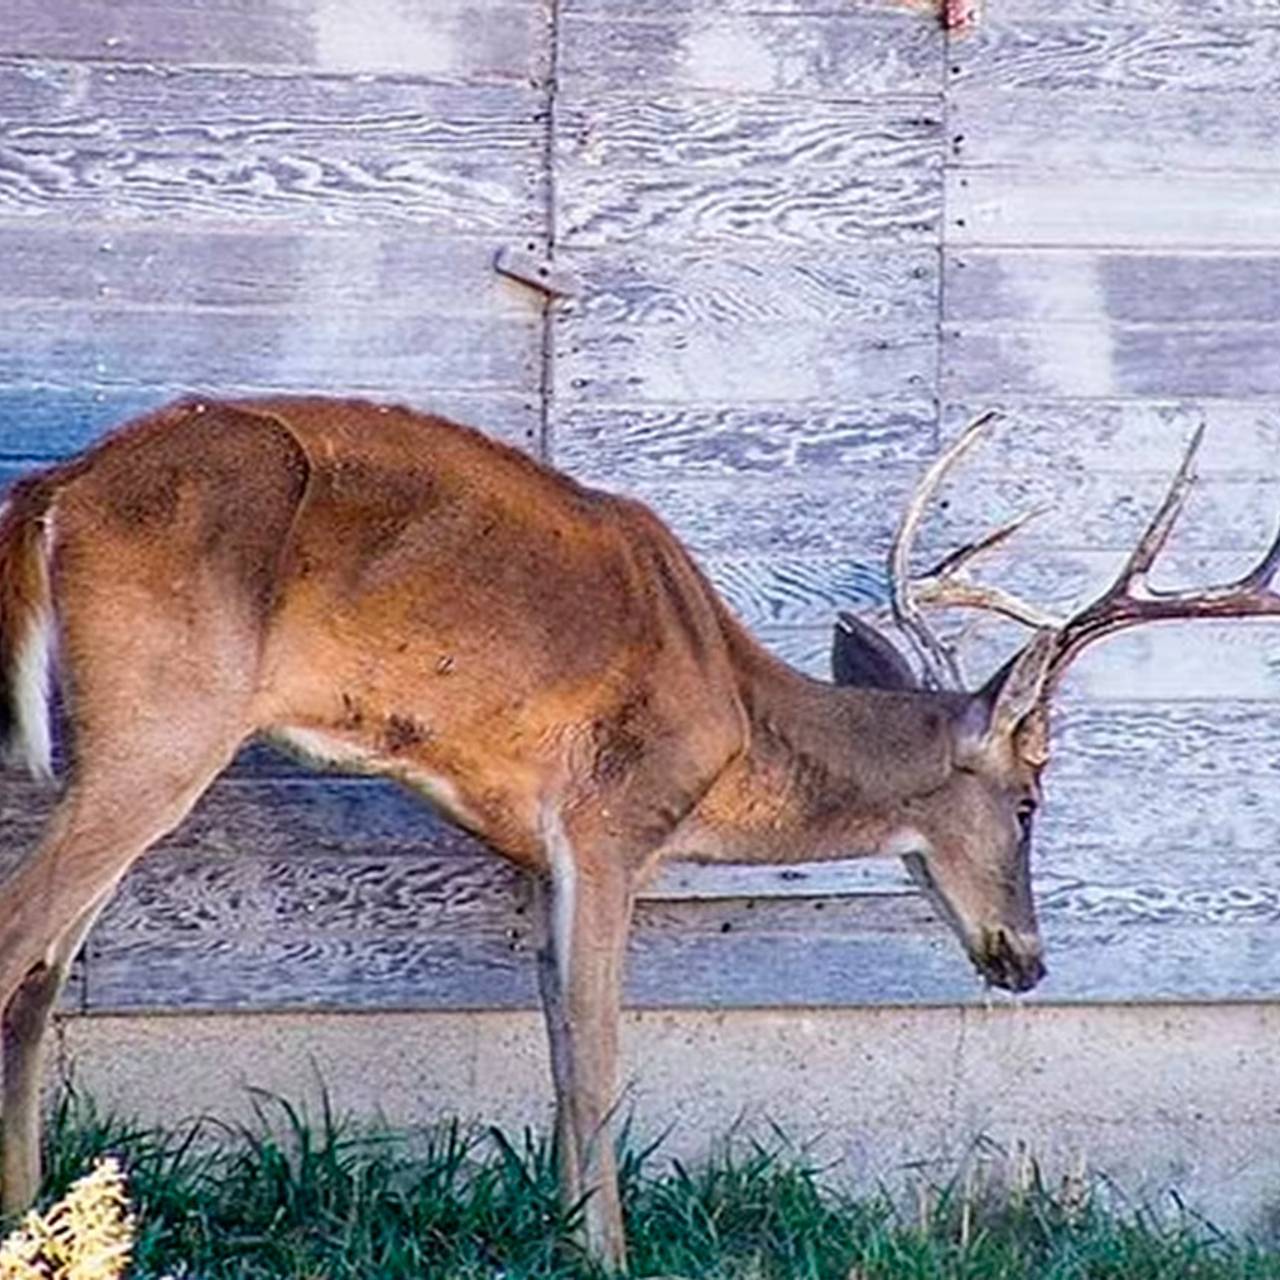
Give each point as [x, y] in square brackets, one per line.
[311, 1196]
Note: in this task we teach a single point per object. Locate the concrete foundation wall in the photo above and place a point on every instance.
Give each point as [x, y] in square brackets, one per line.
[1183, 1097]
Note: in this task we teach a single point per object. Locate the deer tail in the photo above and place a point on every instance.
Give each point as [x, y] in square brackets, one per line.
[26, 629]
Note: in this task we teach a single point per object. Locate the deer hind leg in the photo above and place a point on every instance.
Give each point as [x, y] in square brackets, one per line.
[23, 1028]
[110, 815]
[587, 902]
[154, 724]
[107, 819]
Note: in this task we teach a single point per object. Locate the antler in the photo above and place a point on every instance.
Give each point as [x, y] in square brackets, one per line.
[947, 583]
[1128, 602]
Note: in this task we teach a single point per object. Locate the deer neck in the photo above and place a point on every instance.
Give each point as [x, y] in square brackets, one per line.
[826, 772]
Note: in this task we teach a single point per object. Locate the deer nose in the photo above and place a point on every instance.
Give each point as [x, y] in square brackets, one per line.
[1010, 960]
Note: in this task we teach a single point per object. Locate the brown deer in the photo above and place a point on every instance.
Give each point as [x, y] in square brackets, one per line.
[387, 591]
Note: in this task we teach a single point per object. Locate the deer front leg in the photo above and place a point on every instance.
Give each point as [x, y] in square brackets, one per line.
[587, 902]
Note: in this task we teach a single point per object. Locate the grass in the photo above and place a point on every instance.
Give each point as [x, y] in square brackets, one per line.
[309, 1197]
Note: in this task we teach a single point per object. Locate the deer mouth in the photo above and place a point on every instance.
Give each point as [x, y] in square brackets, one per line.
[1008, 961]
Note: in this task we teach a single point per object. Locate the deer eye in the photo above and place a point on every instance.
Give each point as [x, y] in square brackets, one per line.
[1025, 812]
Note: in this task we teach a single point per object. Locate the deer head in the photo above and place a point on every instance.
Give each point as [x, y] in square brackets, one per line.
[969, 843]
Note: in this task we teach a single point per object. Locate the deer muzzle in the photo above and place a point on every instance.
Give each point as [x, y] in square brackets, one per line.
[1010, 960]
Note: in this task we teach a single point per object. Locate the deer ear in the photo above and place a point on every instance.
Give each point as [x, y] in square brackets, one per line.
[997, 711]
[861, 656]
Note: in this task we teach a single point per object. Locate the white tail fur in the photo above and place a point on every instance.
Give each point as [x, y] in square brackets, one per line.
[29, 639]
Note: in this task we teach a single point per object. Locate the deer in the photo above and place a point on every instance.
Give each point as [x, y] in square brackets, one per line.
[380, 590]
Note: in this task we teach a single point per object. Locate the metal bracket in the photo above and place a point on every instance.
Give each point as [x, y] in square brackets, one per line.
[538, 273]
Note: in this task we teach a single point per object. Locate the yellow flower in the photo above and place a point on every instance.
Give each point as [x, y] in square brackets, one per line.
[87, 1235]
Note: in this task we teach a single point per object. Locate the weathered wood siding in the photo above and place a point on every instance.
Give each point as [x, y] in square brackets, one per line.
[270, 195]
[809, 241]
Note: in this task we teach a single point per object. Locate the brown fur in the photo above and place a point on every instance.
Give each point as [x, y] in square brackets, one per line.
[543, 659]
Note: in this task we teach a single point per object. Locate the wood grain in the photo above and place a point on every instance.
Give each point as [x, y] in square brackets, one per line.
[1181, 12]
[1183, 360]
[143, 142]
[1243, 436]
[1082, 512]
[718, 132]
[720, 285]
[1142, 211]
[273, 268]
[832, 209]
[1022, 286]
[673, 964]
[714, 8]
[768, 361]
[302, 816]
[806, 591]
[620, 445]
[1135, 57]
[1098, 129]
[1145, 666]
[846, 54]
[331, 350]
[43, 421]
[450, 39]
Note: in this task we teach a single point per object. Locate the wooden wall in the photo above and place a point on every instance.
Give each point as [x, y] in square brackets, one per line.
[808, 242]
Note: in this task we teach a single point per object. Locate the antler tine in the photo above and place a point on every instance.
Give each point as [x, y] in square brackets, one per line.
[1157, 531]
[944, 584]
[956, 559]
[1129, 601]
[937, 660]
[1263, 573]
[969, 595]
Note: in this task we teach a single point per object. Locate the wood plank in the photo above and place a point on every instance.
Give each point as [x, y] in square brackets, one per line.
[1181, 12]
[1158, 665]
[1173, 660]
[1201, 738]
[1133, 57]
[1101, 130]
[819, 8]
[1145, 211]
[678, 967]
[1071, 359]
[1082, 512]
[173, 108]
[1095, 827]
[141, 142]
[1075, 881]
[465, 901]
[646, 442]
[307, 270]
[44, 422]
[717, 132]
[353, 855]
[766, 361]
[307, 818]
[334, 350]
[693, 287]
[835, 209]
[806, 591]
[1235, 659]
[845, 54]
[704, 882]
[1022, 286]
[450, 39]
[1243, 436]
